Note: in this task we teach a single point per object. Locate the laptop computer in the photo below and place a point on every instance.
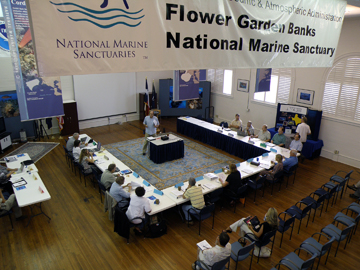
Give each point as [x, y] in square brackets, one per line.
[21, 169]
[242, 132]
[98, 147]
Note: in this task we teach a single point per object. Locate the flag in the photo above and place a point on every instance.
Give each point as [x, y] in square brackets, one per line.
[146, 99]
[61, 122]
[153, 103]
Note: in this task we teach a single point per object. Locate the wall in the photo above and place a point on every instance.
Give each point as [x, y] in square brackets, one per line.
[337, 135]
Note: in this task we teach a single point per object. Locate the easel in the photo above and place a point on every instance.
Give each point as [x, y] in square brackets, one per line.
[40, 131]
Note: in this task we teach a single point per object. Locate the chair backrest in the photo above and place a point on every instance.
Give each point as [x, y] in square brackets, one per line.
[246, 250]
[321, 198]
[309, 262]
[241, 190]
[327, 245]
[306, 210]
[261, 180]
[347, 229]
[347, 176]
[278, 175]
[288, 222]
[221, 264]
[97, 175]
[266, 238]
[66, 151]
[216, 193]
[207, 209]
[101, 186]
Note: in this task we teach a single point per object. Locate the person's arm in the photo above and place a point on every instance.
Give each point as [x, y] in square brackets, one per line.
[144, 123]
[90, 159]
[259, 233]
[2, 197]
[123, 193]
[185, 195]
[147, 207]
[11, 170]
[282, 144]
[157, 121]
[9, 174]
[225, 183]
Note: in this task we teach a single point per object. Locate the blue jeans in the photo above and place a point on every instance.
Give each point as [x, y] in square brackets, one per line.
[185, 209]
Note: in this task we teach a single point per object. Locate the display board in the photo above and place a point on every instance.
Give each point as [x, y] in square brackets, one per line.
[195, 107]
[104, 95]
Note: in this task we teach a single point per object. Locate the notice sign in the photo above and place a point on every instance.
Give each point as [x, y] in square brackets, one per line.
[101, 36]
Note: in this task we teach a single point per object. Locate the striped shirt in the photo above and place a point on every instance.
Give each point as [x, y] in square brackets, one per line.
[196, 197]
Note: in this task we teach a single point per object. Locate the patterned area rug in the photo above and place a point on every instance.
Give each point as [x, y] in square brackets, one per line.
[36, 150]
[197, 161]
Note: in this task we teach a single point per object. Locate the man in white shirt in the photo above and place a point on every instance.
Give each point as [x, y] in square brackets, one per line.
[296, 144]
[236, 123]
[76, 150]
[151, 123]
[219, 252]
[138, 207]
[264, 134]
[303, 129]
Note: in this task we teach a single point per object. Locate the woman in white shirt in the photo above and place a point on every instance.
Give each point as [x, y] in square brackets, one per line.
[76, 150]
[137, 208]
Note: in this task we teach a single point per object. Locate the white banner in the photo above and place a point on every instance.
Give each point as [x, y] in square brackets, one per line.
[101, 36]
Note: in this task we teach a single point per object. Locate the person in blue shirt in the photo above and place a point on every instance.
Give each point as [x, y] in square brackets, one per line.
[296, 144]
[118, 193]
[151, 123]
[279, 138]
[291, 161]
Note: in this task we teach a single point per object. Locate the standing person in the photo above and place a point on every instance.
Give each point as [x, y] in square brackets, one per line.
[196, 197]
[151, 123]
[236, 123]
[303, 129]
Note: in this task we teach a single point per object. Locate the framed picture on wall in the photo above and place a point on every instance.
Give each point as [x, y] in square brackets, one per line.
[305, 96]
[243, 85]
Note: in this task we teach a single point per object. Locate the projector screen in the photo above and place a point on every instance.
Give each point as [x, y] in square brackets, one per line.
[104, 95]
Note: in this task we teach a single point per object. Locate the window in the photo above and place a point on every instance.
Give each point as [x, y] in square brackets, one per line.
[279, 87]
[221, 80]
[341, 93]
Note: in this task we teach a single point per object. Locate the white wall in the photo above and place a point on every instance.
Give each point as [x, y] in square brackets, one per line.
[336, 135]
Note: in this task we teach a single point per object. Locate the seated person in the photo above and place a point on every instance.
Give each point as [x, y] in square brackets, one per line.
[108, 177]
[86, 159]
[356, 188]
[277, 168]
[249, 128]
[279, 138]
[137, 208]
[236, 123]
[10, 203]
[271, 223]
[118, 193]
[296, 144]
[5, 174]
[219, 252]
[291, 161]
[264, 134]
[194, 193]
[76, 150]
[232, 182]
[71, 141]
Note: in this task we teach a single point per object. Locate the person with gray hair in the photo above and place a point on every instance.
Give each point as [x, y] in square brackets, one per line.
[194, 193]
[118, 193]
[108, 177]
[264, 134]
[151, 123]
[291, 161]
[249, 128]
[71, 141]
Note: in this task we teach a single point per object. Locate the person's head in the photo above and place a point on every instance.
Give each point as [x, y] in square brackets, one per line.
[192, 181]
[237, 117]
[232, 168]
[151, 113]
[297, 137]
[224, 239]
[140, 191]
[293, 153]
[281, 130]
[249, 123]
[84, 153]
[120, 180]
[304, 119]
[271, 217]
[76, 136]
[278, 158]
[76, 143]
[264, 128]
[111, 167]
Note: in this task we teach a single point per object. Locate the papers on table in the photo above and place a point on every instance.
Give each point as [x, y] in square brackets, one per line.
[10, 159]
[185, 186]
[135, 184]
[209, 186]
[211, 176]
[15, 179]
[150, 138]
[176, 194]
[266, 164]
[222, 176]
[204, 245]
[270, 144]
[100, 160]
[248, 170]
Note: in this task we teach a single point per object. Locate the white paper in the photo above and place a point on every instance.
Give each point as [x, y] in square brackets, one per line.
[204, 245]
[209, 186]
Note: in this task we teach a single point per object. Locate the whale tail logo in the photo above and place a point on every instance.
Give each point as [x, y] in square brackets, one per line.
[104, 18]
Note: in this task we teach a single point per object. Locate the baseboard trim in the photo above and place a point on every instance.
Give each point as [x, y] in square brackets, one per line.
[340, 158]
[108, 121]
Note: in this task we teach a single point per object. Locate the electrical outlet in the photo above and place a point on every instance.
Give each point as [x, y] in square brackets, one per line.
[336, 152]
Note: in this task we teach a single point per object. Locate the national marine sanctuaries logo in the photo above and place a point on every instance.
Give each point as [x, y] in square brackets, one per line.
[114, 16]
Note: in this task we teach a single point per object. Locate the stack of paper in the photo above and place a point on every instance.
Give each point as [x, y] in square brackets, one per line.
[176, 193]
[211, 176]
[204, 245]
[266, 164]
[209, 186]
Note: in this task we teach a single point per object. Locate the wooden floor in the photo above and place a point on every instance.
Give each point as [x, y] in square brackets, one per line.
[80, 235]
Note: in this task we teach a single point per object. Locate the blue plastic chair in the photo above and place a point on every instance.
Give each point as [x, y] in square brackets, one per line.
[240, 194]
[346, 220]
[221, 265]
[315, 202]
[263, 241]
[294, 262]
[315, 248]
[82, 172]
[337, 178]
[300, 213]
[278, 178]
[255, 185]
[330, 193]
[285, 224]
[290, 172]
[204, 213]
[240, 253]
[340, 235]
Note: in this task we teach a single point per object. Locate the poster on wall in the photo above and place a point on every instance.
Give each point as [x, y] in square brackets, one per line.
[186, 84]
[9, 105]
[4, 44]
[196, 104]
[289, 117]
[173, 103]
[263, 80]
[38, 97]
[95, 36]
